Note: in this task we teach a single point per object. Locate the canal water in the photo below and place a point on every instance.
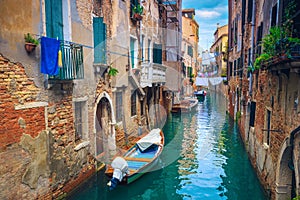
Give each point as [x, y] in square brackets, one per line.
[203, 159]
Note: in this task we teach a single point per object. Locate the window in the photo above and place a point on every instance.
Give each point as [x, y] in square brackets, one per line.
[142, 107]
[296, 100]
[99, 32]
[149, 51]
[190, 50]
[274, 15]
[249, 62]
[157, 53]
[143, 48]
[259, 38]
[268, 128]
[250, 7]
[234, 68]
[54, 19]
[133, 103]
[252, 113]
[133, 52]
[119, 106]
[79, 107]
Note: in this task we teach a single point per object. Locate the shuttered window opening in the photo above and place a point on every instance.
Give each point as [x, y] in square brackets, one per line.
[99, 32]
[252, 113]
[157, 53]
[133, 103]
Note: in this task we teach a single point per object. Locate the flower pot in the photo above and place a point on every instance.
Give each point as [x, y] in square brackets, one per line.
[137, 17]
[29, 47]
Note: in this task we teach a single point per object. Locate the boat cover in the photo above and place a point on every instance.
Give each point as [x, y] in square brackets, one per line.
[153, 137]
[120, 166]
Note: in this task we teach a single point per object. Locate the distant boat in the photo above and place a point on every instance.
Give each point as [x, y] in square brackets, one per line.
[137, 160]
[184, 106]
[200, 94]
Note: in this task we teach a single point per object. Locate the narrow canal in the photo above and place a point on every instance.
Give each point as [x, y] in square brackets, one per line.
[204, 158]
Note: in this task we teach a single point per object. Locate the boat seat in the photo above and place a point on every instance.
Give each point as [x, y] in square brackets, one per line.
[138, 159]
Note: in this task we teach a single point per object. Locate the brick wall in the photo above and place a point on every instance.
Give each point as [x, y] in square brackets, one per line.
[16, 89]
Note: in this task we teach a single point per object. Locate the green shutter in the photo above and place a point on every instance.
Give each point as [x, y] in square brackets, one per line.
[54, 19]
[99, 40]
[157, 53]
[190, 51]
[132, 51]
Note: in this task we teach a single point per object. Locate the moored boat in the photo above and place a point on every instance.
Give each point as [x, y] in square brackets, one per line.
[186, 105]
[139, 159]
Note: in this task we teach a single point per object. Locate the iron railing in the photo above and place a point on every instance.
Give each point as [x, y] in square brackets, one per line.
[72, 62]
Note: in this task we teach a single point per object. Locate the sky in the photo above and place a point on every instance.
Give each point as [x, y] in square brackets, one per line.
[208, 14]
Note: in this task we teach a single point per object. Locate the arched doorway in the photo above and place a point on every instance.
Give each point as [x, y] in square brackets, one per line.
[104, 128]
[287, 178]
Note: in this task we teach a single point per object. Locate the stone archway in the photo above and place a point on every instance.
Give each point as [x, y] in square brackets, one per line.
[105, 144]
[295, 135]
[284, 173]
[287, 174]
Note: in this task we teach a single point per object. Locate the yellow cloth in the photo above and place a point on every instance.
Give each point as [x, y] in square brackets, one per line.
[59, 63]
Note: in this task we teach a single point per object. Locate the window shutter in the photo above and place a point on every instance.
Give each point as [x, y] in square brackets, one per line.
[54, 20]
[132, 52]
[157, 53]
[99, 40]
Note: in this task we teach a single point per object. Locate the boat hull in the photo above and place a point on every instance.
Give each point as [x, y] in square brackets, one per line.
[184, 107]
[135, 176]
[139, 162]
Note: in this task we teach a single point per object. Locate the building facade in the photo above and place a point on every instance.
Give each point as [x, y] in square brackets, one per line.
[264, 91]
[96, 80]
[190, 40]
[219, 49]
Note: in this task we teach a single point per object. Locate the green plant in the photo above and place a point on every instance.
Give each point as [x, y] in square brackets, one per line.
[259, 61]
[296, 198]
[112, 71]
[138, 9]
[29, 39]
[279, 41]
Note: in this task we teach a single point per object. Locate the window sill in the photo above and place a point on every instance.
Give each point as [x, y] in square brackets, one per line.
[81, 145]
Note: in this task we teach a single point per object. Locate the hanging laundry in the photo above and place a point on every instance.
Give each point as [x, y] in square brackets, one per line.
[49, 57]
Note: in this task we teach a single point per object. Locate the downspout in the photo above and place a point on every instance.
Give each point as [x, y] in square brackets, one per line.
[252, 45]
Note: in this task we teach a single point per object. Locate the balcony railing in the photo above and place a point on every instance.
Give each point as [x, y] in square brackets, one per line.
[72, 60]
[152, 73]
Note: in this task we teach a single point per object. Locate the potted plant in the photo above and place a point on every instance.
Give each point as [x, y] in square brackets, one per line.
[30, 42]
[112, 71]
[137, 12]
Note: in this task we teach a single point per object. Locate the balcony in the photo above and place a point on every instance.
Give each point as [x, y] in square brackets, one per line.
[72, 62]
[285, 62]
[152, 73]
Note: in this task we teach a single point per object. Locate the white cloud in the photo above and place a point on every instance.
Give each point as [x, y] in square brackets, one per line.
[222, 9]
[207, 13]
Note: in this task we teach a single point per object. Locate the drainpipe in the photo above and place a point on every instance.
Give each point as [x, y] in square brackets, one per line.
[252, 45]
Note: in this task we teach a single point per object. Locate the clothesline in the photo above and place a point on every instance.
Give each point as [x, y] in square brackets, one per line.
[64, 41]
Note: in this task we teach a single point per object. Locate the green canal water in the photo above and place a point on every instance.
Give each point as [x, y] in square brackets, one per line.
[203, 159]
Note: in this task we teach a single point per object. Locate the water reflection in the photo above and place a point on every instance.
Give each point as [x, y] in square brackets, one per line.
[203, 158]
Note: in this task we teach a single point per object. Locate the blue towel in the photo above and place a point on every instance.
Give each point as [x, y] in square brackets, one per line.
[49, 58]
